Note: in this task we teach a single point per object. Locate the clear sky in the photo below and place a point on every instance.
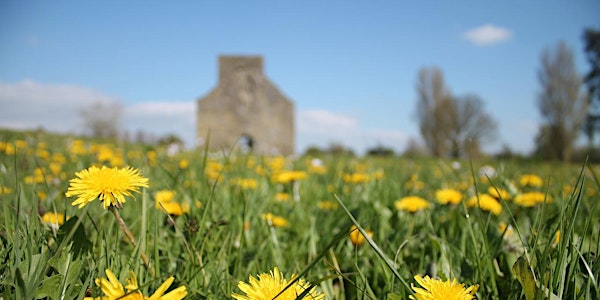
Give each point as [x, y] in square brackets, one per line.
[349, 66]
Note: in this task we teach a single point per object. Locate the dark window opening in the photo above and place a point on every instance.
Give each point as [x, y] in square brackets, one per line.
[245, 143]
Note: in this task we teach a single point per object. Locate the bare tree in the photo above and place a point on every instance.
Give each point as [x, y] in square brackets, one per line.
[560, 102]
[102, 119]
[432, 106]
[592, 80]
[450, 125]
[470, 126]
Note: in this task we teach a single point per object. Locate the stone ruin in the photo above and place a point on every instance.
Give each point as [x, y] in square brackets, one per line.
[246, 110]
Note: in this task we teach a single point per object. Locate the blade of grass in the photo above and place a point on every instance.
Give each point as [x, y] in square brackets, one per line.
[388, 262]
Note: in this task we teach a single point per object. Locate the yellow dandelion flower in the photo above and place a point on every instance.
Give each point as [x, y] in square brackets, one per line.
[531, 199]
[356, 237]
[267, 286]
[175, 294]
[274, 220]
[505, 229]
[486, 202]
[151, 156]
[412, 204]
[356, 178]
[104, 153]
[4, 190]
[163, 200]
[498, 193]
[445, 196]
[327, 205]
[245, 183]
[42, 195]
[59, 158]
[174, 208]
[163, 196]
[531, 180]
[415, 185]
[9, 149]
[317, 169]
[117, 161]
[113, 289]
[434, 289]
[282, 197]
[109, 185]
[276, 163]
[184, 163]
[288, 176]
[43, 154]
[53, 219]
[77, 147]
[213, 170]
[21, 144]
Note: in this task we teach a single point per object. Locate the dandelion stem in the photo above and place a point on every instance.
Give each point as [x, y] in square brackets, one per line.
[130, 237]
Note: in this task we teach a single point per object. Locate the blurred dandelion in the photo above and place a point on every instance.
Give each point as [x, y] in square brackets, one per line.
[275, 221]
[448, 196]
[53, 219]
[486, 202]
[531, 180]
[412, 204]
[356, 237]
[531, 199]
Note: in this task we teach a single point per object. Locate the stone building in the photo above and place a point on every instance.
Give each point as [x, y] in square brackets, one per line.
[247, 109]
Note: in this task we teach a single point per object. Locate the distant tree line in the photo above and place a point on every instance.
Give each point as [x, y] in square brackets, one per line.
[102, 119]
[452, 126]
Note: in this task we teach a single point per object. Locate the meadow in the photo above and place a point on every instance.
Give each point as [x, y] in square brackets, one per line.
[339, 226]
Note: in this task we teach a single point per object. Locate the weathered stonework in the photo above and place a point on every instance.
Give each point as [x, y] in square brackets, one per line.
[246, 105]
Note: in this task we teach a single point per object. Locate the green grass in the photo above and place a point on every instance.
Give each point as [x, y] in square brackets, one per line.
[513, 255]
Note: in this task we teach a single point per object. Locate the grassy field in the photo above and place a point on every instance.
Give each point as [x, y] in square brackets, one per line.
[513, 230]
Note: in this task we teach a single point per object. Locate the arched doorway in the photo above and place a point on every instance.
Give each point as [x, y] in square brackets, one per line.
[245, 143]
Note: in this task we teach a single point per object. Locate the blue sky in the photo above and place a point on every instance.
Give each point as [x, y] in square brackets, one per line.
[349, 66]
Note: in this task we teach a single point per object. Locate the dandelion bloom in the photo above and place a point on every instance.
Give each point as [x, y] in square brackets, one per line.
[4, 190]
[274, 220]
[498, 193]
[109, 185]
[433, 289]
[412, 204]
[282, 197]
[531, 180]
[317, 169]
[245, 183]
[113, 289]
[356, 178]
[327, 205]
[356, 237]
[531, 199]
[288, 176]
[174, 208]
[445, 196]
[53, 219]
[267, 286]
[486, 202]
[163, 196]
[163, 200]
[184, 163]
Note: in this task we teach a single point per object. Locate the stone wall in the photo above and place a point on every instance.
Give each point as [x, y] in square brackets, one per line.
[246, 104]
